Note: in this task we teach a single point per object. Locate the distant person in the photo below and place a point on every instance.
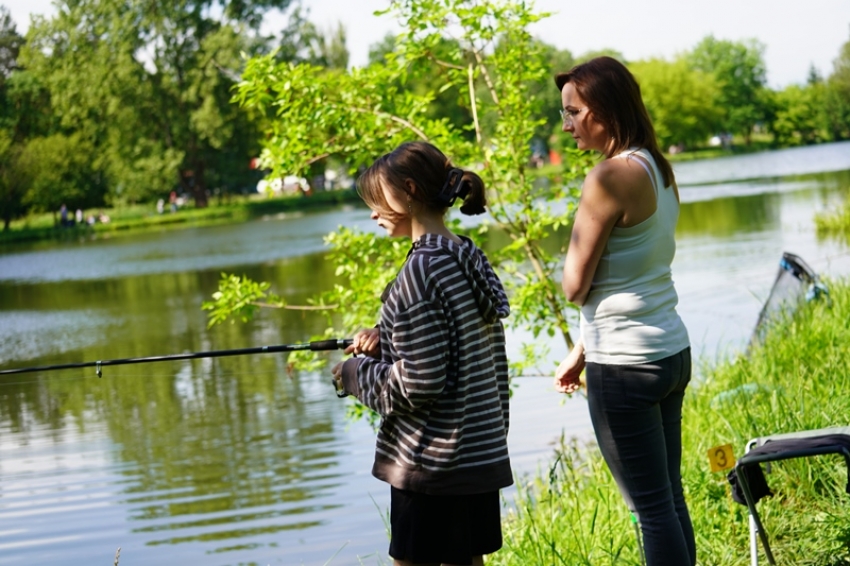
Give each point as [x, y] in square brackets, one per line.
[78, 216]
[103, 218]
[160, 206]
[632, 342]
[63, 215]
[172, 199]
[435, 367]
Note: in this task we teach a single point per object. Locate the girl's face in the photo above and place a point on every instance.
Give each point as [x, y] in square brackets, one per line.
[579, 122]
[396, 221]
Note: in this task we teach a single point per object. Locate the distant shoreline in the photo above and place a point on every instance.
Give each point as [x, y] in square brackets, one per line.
[141, 218]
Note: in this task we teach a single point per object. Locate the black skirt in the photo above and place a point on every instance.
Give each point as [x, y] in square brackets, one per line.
[448, 529]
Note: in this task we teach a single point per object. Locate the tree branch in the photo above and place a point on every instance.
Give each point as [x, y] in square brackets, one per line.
[472, 103]
[396, 119]
[294, 307]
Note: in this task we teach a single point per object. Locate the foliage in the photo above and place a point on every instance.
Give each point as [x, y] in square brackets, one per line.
[491, 59]
[837, 97]
[60, 172]
[237, 296]
[449, 101]
[799, 114]
[10, 44]
[741, 75]
[680, 100]
[149, 89]
[14, 180]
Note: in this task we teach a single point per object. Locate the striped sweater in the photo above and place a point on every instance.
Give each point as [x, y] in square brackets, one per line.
[441, 385]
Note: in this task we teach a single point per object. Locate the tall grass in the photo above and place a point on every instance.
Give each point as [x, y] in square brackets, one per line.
[798, 378]
[571, 516]
[834, 223]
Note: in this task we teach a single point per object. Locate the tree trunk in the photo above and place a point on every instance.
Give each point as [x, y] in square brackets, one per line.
[199, 187]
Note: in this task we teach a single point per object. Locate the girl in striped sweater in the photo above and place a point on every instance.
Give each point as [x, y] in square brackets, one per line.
[435, 367]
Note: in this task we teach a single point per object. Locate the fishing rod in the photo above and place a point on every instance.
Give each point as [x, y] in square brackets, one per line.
[320, 345]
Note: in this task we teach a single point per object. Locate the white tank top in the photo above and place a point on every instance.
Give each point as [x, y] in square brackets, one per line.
[629, 316]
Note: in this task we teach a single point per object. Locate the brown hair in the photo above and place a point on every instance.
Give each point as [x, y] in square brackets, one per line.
[613, 96]
[437, 181]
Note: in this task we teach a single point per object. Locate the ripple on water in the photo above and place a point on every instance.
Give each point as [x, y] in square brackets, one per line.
[26, 335]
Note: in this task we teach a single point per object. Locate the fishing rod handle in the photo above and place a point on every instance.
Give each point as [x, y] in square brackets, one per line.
[338, 344]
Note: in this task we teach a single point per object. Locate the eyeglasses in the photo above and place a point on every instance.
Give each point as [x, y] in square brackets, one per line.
[567, 116]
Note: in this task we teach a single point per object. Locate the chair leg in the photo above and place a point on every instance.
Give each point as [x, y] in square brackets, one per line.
[755, 524]
[754, 545]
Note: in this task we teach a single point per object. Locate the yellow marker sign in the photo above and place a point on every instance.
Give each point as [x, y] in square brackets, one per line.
[721, 457]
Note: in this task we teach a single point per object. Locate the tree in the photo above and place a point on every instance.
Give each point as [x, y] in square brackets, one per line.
[24, 113]
[680, 100]
[59, 172]
[837, 95]
[363, 113]
[799, 114]
[148, 85]
[13, 180]
[10, 44]
[741, 76]
[301, 41]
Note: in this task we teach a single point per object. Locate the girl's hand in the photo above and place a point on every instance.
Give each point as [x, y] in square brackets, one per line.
[568, 374]
[366, 342]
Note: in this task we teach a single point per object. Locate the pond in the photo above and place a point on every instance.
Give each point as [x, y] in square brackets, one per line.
[237, 461]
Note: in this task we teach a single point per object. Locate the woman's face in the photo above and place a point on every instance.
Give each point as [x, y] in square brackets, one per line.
[580, 123]
[396, 222]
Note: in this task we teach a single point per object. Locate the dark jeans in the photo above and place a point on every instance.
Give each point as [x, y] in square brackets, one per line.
[636, 412]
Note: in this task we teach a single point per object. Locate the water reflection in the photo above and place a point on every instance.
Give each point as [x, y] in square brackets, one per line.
[727, 216]
[235, 460]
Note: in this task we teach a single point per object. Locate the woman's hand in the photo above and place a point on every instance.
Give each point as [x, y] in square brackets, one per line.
[568, 374]
[366, 342]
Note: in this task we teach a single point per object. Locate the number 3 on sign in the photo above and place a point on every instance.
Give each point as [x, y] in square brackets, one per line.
[721, 457]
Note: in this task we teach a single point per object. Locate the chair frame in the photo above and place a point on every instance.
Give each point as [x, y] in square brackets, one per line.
[757, 531]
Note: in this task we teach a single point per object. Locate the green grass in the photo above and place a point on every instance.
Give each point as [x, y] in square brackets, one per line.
[797, 379]
[834, 223]
[137, 218]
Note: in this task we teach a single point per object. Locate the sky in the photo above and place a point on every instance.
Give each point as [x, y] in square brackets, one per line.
[796, 34]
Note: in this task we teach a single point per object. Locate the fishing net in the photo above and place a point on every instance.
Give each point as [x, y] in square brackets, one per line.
[796, 283]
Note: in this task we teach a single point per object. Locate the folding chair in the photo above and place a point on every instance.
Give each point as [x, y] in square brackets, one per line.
[748, 480]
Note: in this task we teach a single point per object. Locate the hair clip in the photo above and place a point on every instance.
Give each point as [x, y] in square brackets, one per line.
[453, 188]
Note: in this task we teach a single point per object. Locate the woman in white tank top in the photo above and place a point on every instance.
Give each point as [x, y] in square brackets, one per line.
[633, 344]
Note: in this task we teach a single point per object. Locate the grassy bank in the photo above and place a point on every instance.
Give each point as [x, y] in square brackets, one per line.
[137, 218]
[798, 379]
[758, 143]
